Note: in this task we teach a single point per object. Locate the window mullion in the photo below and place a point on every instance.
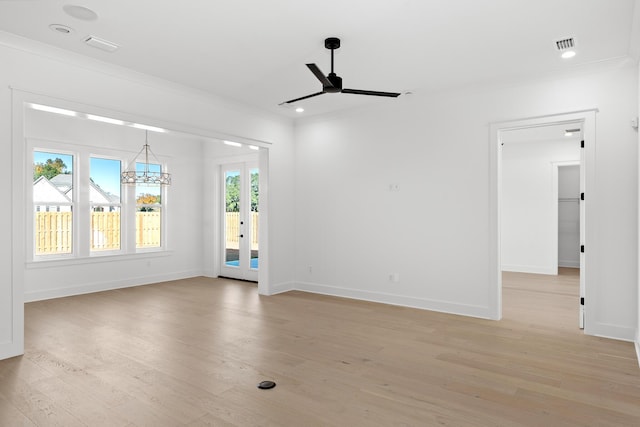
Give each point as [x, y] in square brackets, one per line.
[82, 207]
[129, 218]
[163, 219]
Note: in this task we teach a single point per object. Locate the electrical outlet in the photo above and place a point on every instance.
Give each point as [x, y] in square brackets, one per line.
[394, 277]
[310, 269]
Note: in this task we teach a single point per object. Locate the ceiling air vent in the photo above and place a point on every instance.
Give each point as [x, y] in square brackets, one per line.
[565, 44]
[101, 44]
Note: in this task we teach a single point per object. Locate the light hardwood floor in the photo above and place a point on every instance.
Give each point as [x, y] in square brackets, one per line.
[191, 352]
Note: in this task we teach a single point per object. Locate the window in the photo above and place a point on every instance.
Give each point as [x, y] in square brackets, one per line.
[148, 211]
[53, 203]
[80, 209]
[105, 204]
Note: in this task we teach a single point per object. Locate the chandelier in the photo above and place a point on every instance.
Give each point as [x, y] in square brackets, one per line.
[145, 176]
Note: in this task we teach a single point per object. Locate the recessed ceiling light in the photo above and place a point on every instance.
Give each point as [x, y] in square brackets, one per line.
[80, 12]
[299, 110]
[61, 29]
[233, 143]
[568, 54]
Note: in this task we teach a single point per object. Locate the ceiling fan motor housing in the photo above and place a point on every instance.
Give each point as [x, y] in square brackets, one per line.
[336, 81]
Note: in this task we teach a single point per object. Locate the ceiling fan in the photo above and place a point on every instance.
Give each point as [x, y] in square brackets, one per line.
[332, 83]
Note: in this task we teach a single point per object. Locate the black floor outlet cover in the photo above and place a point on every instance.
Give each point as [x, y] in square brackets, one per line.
[266, 385]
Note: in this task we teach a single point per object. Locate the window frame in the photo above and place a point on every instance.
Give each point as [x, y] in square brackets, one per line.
[54, 148]
[120, 205]
[150, 205]
[82, 206]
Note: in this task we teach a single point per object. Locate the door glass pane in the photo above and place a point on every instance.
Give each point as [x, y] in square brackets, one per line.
[104, 195]
[232, 218]
[52, 203]
[254, 217]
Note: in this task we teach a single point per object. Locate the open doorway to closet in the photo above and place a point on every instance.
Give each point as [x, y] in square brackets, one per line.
[568, 184]
[541, 222]
[533, 161]
[539, 249]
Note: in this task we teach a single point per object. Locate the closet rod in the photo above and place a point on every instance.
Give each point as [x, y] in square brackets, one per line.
[569, 199]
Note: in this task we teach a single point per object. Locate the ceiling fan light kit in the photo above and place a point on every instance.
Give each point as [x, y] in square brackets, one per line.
[332, 83]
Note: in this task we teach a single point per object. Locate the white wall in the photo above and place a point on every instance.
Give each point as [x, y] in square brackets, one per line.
[53, 73]
[434, 231]
[349, 227]
[44, 280]
[529, 204]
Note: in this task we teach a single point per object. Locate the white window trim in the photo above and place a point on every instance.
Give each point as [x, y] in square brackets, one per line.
[51, 147]
[130, 199]
[81, 206]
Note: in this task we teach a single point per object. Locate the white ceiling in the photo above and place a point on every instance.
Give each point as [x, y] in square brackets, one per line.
[254, 51]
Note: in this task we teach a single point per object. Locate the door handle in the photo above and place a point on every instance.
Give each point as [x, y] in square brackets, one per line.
[242, 235]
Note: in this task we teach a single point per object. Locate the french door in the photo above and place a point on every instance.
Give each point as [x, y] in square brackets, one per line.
[240, 219]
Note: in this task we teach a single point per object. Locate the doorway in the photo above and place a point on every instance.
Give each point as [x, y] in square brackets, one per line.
[568, 184]
[585, 120]
[240, 221]
[530, 204]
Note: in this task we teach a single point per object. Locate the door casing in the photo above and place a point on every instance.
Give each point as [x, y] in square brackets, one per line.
[589, 268]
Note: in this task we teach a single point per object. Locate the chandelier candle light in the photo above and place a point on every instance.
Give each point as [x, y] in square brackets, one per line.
[145, 176]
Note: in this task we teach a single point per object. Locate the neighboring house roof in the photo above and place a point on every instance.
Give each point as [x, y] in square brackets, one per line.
[51, 190]
[63, 182]
[98, 195]
[45, 191]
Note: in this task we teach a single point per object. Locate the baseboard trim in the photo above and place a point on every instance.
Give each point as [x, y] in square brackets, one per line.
[569, 264]
[529, 269]
[614, 332]
[399, 300]
[638, 352]
[282, 288]
[106, 286]
[10, 349]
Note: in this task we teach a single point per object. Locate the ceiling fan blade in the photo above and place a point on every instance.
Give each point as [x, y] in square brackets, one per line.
[320, 76]
[301, 98]
[371, 92]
